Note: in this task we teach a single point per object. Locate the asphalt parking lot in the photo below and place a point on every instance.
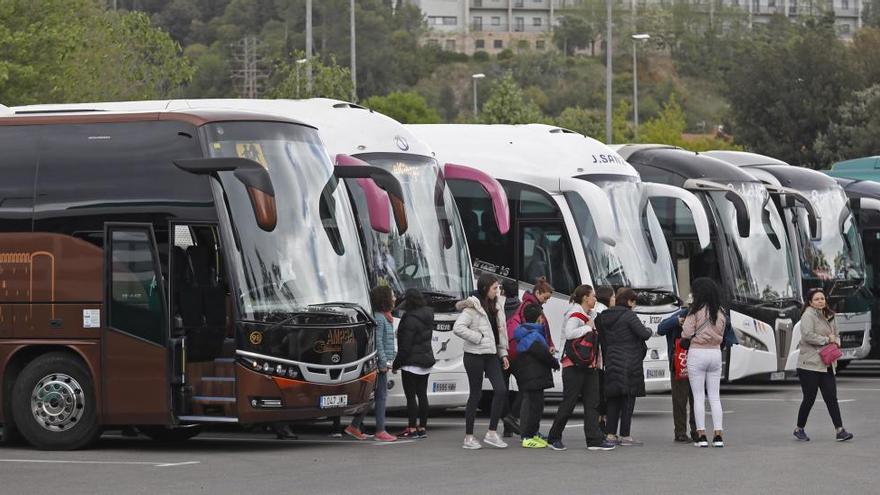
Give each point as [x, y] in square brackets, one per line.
[760, 457]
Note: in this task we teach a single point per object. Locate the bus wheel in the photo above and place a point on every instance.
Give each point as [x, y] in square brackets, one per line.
[165, 434]
[54, 403]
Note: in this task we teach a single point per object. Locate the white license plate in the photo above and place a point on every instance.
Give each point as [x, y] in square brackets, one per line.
[330, 401]
[655, 373]
[444, 387]
[777, 376]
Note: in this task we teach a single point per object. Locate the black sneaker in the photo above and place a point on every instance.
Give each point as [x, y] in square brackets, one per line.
[605, 445]
[421, 434]
[702, 441]
[556, 445]
[801, 435]
[682, 439]
[717, 441]
[844, 435]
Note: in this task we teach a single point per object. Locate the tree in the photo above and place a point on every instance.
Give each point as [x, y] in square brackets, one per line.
[328, 80]
[587, 122]
[790, 90]
[854, 131]
[74, 50]
[667, 127]
[405, 107]
[508, 105]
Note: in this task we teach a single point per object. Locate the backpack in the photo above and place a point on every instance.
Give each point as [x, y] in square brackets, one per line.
[583, 351]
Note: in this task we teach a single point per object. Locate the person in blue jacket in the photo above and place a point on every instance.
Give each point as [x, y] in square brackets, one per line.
[682, 398]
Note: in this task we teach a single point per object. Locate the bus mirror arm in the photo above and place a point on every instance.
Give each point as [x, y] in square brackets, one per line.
[701, 221]
[348, 167]
[743, 221]
[597, 203]
[252, 174]
[790, 197]
[492, 187]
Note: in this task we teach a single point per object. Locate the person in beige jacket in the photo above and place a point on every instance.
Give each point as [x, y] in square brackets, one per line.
[818, 329]
[483, 327]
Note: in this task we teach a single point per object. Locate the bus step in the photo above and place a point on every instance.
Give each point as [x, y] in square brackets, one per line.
[216, 386]
[207, 419]
[218, 378]
[224, 367]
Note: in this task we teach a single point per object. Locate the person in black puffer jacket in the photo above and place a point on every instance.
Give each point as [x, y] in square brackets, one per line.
[533, 373]
[622, 338]
[415, 358]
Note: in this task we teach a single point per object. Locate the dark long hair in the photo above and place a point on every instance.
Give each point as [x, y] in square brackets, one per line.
[484, 283]
[707, 295]
[381, 297]
[826, 312]
[604, 295]
[413, 299]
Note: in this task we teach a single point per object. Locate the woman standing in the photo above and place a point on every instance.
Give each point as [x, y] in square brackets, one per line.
[704, 327]
[382, 299]
[415, 358]
[818, 329]
[482, 327]
[579, 380]
[622, 336]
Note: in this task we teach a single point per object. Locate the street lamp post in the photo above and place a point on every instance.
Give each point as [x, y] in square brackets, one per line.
[608, 78]
[476, 77]
[299, 64]
[637, 38]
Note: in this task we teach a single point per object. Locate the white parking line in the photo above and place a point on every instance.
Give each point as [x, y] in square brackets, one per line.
[125, 463]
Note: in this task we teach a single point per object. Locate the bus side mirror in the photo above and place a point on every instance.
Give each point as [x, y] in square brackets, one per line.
[253, 175]
[701, 221]
[790, 198]
[348, 167]
[492, 187]
[743, 222]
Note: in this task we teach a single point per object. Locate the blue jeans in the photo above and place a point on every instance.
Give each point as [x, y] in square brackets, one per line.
[379, 405]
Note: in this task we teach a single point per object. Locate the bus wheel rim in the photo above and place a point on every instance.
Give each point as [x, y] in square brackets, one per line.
[57, 402]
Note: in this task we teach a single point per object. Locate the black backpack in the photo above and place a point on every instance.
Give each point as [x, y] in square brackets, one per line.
[583, 351]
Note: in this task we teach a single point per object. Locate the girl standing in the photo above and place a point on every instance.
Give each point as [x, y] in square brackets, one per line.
[482, 326]
[415, 358]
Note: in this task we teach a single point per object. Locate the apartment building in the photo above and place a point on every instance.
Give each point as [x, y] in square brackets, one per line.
[491, 25]
[468, 26]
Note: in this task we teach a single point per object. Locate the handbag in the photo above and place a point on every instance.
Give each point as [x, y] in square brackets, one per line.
[681, 348]
[830, 353]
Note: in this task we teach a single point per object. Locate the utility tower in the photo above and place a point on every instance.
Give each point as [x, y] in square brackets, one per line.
[248, 75]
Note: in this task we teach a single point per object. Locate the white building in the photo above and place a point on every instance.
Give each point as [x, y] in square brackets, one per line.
[468, 26]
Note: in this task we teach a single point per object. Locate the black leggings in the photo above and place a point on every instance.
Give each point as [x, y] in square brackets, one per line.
[476, 365]
[415, 387]
[812, 382]
[620, 409]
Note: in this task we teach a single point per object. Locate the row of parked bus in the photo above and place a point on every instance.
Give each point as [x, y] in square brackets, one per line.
[171, 264]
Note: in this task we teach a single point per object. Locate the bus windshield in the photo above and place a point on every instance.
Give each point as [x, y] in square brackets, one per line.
[313, 254]
[432, 254]
[760, 263]
[640, 259]
[838, 254]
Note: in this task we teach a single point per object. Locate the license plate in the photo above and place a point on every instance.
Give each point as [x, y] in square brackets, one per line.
[444, 387]
[443, 326]
[777, 376]
[655, 373]
[330, 401]
[851, 339]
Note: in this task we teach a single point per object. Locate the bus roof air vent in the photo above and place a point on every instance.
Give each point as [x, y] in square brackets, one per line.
[561, 130]
[349, 105]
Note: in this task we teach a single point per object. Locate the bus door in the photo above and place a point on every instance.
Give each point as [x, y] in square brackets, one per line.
[135, 340]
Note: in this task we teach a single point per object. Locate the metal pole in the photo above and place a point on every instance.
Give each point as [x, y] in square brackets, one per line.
[309, 46]
[354, 81]
[635, 93]
[608, 71]
[475, 97]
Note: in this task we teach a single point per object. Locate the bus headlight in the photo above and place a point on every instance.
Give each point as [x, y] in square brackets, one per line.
[747, 340]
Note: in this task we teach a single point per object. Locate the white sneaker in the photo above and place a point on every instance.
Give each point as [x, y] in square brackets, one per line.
[471, 443]
[494, 440]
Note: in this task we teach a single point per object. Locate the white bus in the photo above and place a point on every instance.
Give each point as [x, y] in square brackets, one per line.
[430, 253]
[825, 241]
[750, 255]
[579, 214]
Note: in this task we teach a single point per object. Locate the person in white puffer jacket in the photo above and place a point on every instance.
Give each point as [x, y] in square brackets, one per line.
[483, 327]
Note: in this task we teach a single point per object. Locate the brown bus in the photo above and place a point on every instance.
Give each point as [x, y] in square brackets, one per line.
[150, 276]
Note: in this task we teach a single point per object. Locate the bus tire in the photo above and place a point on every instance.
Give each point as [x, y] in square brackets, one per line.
[164, 434]
[53, 403]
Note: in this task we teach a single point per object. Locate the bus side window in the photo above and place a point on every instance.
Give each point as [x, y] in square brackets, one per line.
[485, 242]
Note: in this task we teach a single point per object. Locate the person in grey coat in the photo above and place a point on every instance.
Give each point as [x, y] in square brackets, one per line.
[622, 337]
[818, 329]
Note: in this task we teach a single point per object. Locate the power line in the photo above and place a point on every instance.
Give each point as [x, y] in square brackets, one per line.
[248, 75]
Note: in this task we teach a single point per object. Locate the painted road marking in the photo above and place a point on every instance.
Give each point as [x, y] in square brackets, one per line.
[124, 463]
